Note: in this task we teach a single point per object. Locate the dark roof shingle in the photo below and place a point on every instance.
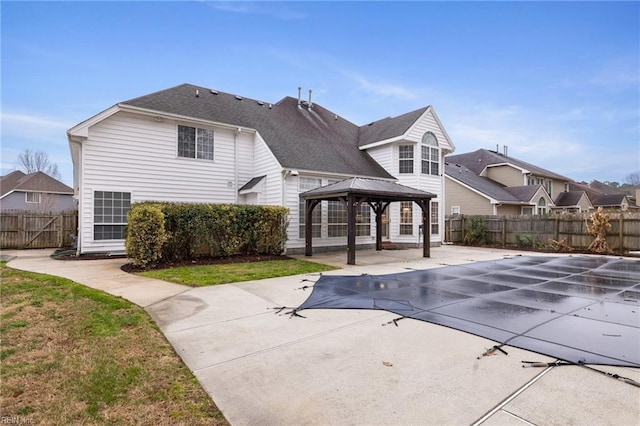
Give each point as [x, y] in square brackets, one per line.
[32, 182]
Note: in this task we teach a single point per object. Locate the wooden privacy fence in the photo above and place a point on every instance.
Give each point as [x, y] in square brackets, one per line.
[25, 229]
[623, 236]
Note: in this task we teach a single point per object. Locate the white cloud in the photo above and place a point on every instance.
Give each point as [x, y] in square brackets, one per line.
[273, 9]
[30, 126]
[381, 90]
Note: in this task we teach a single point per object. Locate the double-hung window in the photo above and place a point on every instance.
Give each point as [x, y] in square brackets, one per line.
[406, 218]
[110, 214]
[435, 214]
[405, 164]
[194, 142]
[307, 184]
[430, 155]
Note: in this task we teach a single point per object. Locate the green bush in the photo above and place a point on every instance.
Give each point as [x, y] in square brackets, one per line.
[145, 234]
[527, 241]
[217, 230]
[477, 233]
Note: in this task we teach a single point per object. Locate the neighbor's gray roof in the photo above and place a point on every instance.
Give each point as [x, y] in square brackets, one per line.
[313, 139]
[609, 200]
[32, 182]
[490, 188]
[377, 188]
[477, 160]
[567, 199]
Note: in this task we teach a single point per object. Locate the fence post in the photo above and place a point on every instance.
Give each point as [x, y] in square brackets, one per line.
[504, 231]
[556, 229]
[60, 230]
[21, 230]
[621, 231]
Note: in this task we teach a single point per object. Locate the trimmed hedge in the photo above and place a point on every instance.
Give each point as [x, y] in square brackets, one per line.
[145, 235]
[217, 230]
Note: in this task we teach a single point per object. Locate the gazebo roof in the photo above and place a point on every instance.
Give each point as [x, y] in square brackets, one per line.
[374, 189]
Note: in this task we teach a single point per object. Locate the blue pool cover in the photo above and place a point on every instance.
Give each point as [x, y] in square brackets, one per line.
[583, 309]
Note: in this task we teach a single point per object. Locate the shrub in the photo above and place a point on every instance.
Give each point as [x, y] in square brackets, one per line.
[217, 230]
[145, 234]
[477, 233]
[526, 241]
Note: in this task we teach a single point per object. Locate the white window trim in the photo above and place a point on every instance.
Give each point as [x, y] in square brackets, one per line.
[196, 143]
[26, 197]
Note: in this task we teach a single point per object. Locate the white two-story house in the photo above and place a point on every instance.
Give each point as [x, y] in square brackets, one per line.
[194, 144]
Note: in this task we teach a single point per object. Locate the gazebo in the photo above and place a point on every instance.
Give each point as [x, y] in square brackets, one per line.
[378, 194]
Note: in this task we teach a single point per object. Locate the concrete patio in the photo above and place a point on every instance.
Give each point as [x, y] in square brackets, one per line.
[353, 366]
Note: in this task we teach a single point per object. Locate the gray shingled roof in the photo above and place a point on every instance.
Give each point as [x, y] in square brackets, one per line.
[313, 139]
[388, 127]
[253, 182]
[32, 182]
[481, 158]
[379, 189]
[568, 199]
[609, 200]
[492, 189]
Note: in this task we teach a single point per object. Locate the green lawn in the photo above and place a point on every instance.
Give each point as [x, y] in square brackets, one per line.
[204, 275]
[74, 355]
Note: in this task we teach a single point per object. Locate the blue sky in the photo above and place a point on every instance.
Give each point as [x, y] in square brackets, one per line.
[558, 83]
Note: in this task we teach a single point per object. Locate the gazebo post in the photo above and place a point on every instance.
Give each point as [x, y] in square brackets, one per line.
[351, 230]
[309, 205]
[426, 227]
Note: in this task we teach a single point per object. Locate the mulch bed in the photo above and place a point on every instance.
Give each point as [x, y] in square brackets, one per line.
[130, 267]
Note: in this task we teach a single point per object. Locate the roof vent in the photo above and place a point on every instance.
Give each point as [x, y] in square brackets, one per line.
[335, 117]
[239, 97]
[270, 106]
[215, 92]
[299, 100]
[197, 93]
[260, 103]
[310, 104]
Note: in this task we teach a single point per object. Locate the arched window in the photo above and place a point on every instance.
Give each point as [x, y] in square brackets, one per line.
[542, 206]
[430, 154]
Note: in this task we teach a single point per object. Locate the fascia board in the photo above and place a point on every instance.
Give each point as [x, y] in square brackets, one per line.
[179, 117]
[442, 129]
[81, 130]
[472, 189]
[383, 142]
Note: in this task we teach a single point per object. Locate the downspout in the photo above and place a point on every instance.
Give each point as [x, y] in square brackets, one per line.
[75, 147]
[235, 159]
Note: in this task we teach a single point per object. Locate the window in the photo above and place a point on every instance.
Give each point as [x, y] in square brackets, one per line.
[435, 222]
[406, 218]
[195, 143]
[542, 206]
[527, 211]
[33, 197]
[548, 185]
[363, 220]
[307, 184]
[337, 217]
[110, 214]
[455, 209]
[430, 155]
[406, 159]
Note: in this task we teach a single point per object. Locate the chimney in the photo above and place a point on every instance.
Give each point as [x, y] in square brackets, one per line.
[310, 104]
[299, 100]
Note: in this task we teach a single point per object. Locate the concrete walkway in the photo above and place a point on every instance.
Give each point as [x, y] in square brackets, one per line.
[350, 366]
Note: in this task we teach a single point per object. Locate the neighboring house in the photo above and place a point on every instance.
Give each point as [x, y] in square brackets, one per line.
[573, 202]
[193, 144]
[469, 193]
[490, 183]
[35, 192]
[602, 195]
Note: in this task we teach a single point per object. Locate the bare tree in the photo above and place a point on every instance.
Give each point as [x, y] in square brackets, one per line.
[633, 178]
[37, 161]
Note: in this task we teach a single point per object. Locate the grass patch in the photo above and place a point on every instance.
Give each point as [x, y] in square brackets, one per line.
[205, 275]
[74, 355]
